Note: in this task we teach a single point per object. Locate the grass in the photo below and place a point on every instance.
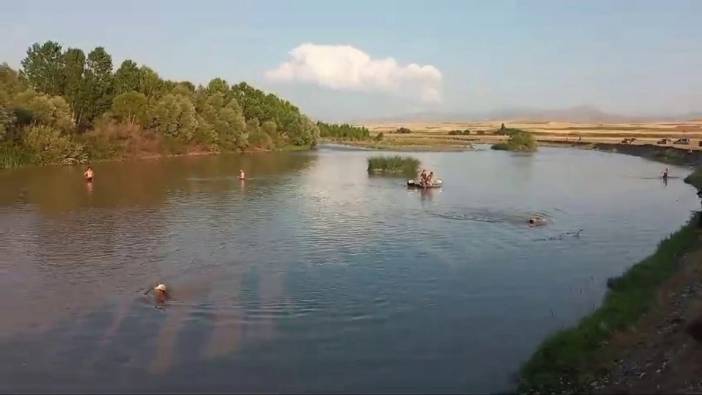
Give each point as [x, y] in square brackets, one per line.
[393, 165]
[570, 359]
[519, 141]
[11, 156]
[695, 179]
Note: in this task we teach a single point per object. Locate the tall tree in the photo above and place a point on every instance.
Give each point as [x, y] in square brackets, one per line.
[150, 83]
[127, 77]
[98, 84]
[74, 67]
[43, 67]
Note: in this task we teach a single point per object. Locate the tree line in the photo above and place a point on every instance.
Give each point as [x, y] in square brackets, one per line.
[342, 132]
[64, 106]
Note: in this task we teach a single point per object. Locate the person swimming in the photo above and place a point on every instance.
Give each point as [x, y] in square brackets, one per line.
[536, 221]
[242, 175]
[88, 174]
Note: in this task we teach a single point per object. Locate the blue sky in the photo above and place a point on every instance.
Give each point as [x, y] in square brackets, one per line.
[630, 57]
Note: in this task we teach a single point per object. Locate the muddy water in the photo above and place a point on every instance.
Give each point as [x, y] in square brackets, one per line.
[311, 275]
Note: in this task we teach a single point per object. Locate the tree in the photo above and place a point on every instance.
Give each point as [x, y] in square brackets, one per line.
[47, 110]
[48, 145]
[127, 77]
[97, 90]
[7, 120]
[174, 116]
[73, 69]
[130, 107]
[218, 85]
[43, 67]
[150, 83]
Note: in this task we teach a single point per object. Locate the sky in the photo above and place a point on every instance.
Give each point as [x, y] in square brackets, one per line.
[351, 60]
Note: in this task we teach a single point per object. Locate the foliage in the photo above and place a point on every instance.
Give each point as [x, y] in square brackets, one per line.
[570, 359]
[343, 131]
[403, 130]
[393, 165]
[459, 132]
[518, 140]
[379, 136]
[63, 104]
[47, 145]
[174, 116]
[130, 107]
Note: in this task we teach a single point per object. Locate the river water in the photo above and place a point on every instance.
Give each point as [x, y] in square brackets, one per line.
[312, 276]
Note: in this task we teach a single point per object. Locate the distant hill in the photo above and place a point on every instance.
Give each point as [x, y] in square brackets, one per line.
[585, 114]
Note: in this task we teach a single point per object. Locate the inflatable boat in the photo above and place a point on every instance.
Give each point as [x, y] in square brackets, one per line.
[415, 184]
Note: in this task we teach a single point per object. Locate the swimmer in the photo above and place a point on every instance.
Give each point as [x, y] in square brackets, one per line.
[88, 174]
[536, 221]
[242, 175]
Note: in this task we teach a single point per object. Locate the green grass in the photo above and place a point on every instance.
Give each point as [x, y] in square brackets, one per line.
[695, 179]
[393, 165]
[12, 156]
[570, 359]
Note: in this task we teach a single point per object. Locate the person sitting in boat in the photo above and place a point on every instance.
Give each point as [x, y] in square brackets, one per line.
[430, 179]
[88, 174]
[423, 177]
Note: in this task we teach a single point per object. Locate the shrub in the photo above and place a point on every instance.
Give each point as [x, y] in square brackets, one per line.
[48, 145]
[393, 165]
[379, 136]
[519, 140]
[403, 130]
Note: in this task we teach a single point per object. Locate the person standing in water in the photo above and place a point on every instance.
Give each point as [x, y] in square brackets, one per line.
[665, 174]
[242, 175]
[88, 174]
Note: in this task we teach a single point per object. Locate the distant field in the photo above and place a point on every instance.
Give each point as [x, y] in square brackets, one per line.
[437, 133]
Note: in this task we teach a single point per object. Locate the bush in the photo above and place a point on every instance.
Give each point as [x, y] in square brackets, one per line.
[343, 132]
[480, 132]
[459, 132]
[393, 165]
[47, 146]
[13, 156]
[403, 130]
[519, 140]
[379, 137]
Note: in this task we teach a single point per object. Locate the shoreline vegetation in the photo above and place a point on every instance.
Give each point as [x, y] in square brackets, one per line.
[393, 166]
[63, 107]
[587, 358]
[517, 141]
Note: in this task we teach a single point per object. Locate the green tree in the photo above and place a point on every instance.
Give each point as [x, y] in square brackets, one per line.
[130, 107]
[175, 116]
[43, 67]
[7, 121]
[127, 77]
[218, 85]
[74, 67]
[97, 91]
[150, 83]
[47, 110]
[48, 145]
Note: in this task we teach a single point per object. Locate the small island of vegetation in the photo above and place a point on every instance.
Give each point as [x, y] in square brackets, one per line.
[519, 141]
[393, 165]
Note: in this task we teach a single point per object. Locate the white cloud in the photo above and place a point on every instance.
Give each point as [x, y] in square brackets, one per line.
[343, 67]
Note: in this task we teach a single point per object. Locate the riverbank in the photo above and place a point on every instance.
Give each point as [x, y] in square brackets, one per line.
[635, 342]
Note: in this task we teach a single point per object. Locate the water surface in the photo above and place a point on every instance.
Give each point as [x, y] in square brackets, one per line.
[312, 276]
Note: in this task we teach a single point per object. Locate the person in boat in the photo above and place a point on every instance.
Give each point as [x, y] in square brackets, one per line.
[242, 175]
[430, 179]
[88, 174]
[423, 177]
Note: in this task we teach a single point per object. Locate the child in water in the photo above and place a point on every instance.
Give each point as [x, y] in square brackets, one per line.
[242, 175]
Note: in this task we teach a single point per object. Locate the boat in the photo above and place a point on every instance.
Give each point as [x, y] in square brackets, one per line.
[415, 184]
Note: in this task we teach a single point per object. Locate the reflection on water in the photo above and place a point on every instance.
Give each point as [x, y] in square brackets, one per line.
[310, 275]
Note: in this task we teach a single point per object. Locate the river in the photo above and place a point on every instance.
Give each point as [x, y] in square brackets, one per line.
[312, 276]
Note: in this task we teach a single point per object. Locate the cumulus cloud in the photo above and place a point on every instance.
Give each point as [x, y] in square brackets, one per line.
[343, 67]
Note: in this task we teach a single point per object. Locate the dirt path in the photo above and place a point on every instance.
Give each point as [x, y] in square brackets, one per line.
[658, 355]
